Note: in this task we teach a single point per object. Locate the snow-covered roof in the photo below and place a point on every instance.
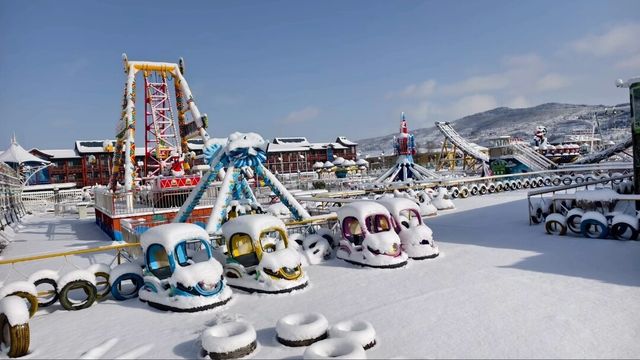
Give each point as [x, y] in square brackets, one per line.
[61, 153]
[361, 210]
[302, 141]
[320, 146]
[273, 147]
[396, 205]
[362, 162]
[251, 225]
[170, 235]
[344, 141]
[16, 154]
[92, 146]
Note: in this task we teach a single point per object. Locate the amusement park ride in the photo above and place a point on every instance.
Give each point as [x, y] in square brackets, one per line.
[168, 162]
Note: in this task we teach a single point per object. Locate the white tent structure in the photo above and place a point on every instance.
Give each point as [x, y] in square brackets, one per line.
[17, 157]
[16, 154]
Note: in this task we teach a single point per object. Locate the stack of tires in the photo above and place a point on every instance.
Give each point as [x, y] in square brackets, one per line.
[593, 224]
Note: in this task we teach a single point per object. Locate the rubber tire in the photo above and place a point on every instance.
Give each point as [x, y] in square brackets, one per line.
[53, 299]
[107, 291]
[566, 180]
[619, 229]
[553, 231]
[135, 278]
[586, 224]
[556, 181]
[513, 185]
[455, 192]
[474, 190]
[499, 186]
[88, 288]
[571, 219]
[482, 189]
[19, 337]
[519, 184]
[491, 188]
[32, 300]
[538, 216]
[464, 192]
[547, 181]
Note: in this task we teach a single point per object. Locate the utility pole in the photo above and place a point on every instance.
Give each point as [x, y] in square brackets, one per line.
[634, 101]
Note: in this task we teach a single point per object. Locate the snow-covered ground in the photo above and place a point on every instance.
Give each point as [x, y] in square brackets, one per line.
[500, 288]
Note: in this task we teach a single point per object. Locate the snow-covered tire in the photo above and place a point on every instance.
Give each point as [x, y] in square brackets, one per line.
[230, 340]
[474, 190]
[547, 181]
[556, 181]
[567, 180]
[499, 186]
[538, 216]
[578, 179]
[118, 294]
[533, 183]
[574, 218]
[335, 349]
[14, 337]
[328, 234]
[482, 189]
[455, 192]
[84, 285]
[301, 329]
[555, 224]
[101, 272]
[594, 225]
[491, 188]
[464, 192]
[518, 184]
[358, 330]
[49, 297]
[624, 227]
[30, 298]
[526, 183]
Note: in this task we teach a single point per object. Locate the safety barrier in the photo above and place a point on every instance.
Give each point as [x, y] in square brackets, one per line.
[11, 205]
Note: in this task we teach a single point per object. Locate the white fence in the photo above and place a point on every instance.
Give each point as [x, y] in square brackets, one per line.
[46, 200]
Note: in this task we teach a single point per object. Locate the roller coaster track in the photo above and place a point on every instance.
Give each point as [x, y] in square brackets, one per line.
[460, 142]
[531, 158]
[604, 154]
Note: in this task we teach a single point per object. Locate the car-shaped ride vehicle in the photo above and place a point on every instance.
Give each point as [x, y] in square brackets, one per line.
[180, 272]
[416, 237]
[368, 238]
[257, 257]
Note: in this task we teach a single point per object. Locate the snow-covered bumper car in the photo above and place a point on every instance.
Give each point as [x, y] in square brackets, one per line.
[180, 272]
[367, 236]
[416, 237]
[258, 258]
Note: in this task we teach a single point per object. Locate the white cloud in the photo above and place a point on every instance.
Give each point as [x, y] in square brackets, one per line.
[618, 39]
[476, 84]
[518, 102]
[421, 90]
[552, 81]
[529, 61]
[301, 116]
[473, 104]
[630, 63]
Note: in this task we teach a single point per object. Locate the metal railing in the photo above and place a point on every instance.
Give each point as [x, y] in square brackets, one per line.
[565, 188]
[11, 206]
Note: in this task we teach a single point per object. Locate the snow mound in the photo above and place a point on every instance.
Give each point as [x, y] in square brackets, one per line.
[358, 330]
[228, 337]
[99, 267]
[122, 269]
[280, 258]
[339, 348]
[44, 274]
[302, 326]
[15, 309]
[18, 286]
[77, 275]
[191, 275]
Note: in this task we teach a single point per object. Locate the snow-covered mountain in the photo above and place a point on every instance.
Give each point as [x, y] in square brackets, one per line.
[560, 119]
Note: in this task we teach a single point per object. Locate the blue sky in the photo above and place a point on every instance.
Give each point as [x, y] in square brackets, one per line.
[318, 69]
